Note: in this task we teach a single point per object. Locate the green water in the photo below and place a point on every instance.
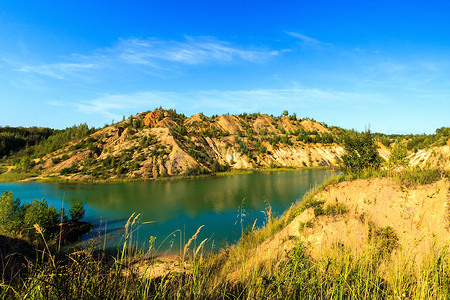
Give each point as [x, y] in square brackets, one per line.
[221, 204]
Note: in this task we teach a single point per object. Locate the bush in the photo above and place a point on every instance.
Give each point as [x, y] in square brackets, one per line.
[76, 211]
[56, 160]
[335, 209]
[69, 170]
[318, 211]
[399, 156]
[385, 238]
[39, 212]
[10, 212]
[197, 170]
[361, 154]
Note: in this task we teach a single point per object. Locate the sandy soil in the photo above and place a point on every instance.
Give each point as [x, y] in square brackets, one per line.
[419, 216]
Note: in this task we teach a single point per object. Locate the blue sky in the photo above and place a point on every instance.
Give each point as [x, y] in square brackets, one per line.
[384, 64]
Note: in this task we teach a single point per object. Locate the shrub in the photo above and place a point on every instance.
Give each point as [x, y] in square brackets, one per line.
[69, 170]
[76, 211]
[10, 210]
[385, 238]
[39, 212]
[335, 209]
[361, 154]
[263, 131]
[399, 156]
[197, 170]
[56, 160]
[318, 211]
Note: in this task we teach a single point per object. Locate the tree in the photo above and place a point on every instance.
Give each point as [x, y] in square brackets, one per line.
[399, 156]
[285, 113]
[361, 154]
[10, 212]
[76, 211]
[39, 212]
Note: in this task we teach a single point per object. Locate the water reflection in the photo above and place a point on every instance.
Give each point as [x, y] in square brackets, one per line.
[181, 205]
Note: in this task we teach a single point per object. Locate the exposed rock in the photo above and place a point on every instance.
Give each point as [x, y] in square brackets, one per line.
[195, 120]
[171, 144]
[229, 123]
[152, 118]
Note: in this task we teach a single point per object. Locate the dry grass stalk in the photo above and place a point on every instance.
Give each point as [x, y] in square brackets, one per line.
[200, 247]
[194, 237]
[269, 214]
[254, 225]
[39, 230]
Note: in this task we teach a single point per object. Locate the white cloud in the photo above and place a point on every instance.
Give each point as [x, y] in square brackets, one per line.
[216, 101]
[152, 54]
[307, 41]
[58, 70]
[115, 105]
[192, 51]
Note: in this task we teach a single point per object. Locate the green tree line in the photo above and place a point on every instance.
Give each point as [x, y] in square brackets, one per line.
[13, 139]
[36, 141]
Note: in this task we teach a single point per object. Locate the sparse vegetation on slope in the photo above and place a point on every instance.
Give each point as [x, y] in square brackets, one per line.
[163, 143]
[376, 240]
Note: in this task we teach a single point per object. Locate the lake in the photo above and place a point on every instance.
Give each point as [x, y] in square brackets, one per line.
[173, 209]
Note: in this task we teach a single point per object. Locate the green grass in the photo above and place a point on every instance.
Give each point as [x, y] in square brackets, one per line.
[173, 178]
[15, 175]
[410, 176]
[338, 274]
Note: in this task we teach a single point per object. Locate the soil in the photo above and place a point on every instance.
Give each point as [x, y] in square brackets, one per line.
[419, 216]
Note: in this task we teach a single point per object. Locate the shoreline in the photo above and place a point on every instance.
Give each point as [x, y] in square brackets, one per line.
[174, 178]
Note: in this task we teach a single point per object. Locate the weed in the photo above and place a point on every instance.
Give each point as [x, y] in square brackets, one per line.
[385, 238]
[318, 211]
[335, 209]
[304, 225]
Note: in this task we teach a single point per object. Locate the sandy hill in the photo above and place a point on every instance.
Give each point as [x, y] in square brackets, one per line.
[416, 218]
[164, 143]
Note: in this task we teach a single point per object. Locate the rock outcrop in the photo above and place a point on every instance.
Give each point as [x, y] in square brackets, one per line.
[164, 143]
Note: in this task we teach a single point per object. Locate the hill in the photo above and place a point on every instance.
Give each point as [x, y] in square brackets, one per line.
[163, 143]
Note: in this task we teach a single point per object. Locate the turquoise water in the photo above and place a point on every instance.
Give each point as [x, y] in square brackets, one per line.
[224, 205]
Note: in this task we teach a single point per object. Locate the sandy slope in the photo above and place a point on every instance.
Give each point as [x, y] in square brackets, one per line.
[420, 217]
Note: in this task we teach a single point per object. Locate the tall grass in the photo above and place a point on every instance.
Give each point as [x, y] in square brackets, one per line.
[410, 176]
[339, 273]
[15, 175]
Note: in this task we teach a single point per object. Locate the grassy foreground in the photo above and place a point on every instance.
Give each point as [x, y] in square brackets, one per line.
[339, 273]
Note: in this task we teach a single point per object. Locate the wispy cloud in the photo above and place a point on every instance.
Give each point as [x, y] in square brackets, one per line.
[152, 54]
[58, 70]
[192, 51]
[113, 106]
[307, 41]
